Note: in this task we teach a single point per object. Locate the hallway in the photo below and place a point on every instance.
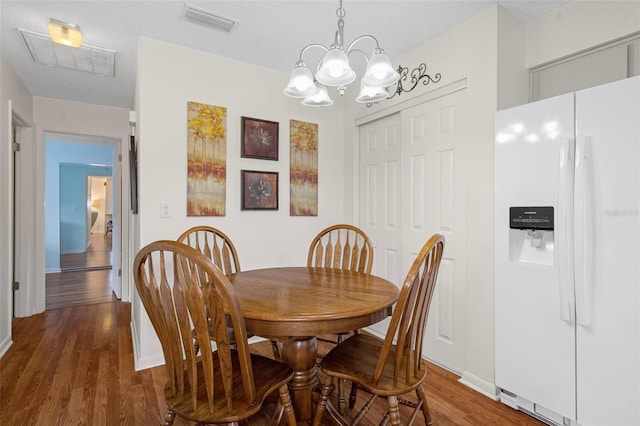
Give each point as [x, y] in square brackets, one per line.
[97, 256]
[85, 278]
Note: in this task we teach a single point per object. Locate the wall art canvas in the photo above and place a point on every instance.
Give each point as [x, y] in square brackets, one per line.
[303, 171]
[259, 190]
[206, 160]
[259, 139]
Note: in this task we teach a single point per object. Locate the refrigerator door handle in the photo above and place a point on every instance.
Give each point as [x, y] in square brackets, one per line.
[583, 243]
[564, 232]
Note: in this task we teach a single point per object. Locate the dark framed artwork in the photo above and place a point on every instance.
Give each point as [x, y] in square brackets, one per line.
[259, 139]
[259, 190]
[133, 174]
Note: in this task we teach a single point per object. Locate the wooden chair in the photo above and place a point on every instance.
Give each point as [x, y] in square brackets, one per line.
[219, 248]
[176, 284]
[214, 244]
[380, 366]
[341, 246]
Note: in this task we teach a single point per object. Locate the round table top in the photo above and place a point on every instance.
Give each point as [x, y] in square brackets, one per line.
[304, 301]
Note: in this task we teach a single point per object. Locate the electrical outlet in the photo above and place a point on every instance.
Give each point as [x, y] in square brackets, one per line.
[165, 209]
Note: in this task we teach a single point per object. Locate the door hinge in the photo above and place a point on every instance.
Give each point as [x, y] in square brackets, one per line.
[119, 157]
[16, 286]
[119, 272]
[16, 147]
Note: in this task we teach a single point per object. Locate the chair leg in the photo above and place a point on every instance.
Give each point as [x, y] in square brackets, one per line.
[327, 387]
[168, 417]
[353, 395]
[341, 397]
[394, 411]
[287, 406]
[276, 351]
[425, 405]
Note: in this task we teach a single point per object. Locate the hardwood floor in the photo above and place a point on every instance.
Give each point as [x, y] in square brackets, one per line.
[74, 366]
[75, 288]
[85, 278]
[97, 256]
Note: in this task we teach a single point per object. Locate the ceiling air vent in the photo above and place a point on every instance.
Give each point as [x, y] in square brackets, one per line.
[92, 59]
[204, 17]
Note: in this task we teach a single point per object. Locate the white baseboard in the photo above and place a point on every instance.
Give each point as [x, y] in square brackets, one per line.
[5, 345]
[142, 363]
[479, 385]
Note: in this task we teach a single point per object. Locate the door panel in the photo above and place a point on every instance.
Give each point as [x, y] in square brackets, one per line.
[412, 186]
[435, 142]
[380, 197]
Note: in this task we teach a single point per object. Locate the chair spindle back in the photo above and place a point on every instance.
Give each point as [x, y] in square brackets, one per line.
[342, 247]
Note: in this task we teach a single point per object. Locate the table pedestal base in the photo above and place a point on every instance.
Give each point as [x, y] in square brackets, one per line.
[301, 353]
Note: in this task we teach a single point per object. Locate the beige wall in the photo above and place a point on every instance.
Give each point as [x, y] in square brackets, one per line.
[580, 25]
[262, 238]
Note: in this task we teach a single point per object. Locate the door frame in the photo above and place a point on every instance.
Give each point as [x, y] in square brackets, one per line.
[32, 292]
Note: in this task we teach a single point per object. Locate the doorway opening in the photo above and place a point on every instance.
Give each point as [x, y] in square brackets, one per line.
[82, 206]
[97, 252]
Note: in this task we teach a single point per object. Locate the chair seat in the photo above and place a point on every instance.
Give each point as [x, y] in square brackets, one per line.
[355, 359]
[269, 375]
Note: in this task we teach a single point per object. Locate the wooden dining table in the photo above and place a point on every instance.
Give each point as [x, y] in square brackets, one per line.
[296, 304]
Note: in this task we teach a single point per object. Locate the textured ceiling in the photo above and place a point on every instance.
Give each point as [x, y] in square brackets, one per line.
[269, 33]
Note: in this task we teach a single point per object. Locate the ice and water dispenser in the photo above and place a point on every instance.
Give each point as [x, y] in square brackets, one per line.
[531, 238]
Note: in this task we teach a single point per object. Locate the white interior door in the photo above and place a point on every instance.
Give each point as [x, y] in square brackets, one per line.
[433, 182]
[380, 197]
[412, 180]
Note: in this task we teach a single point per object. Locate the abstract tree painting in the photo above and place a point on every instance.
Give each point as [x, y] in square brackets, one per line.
[206, 160]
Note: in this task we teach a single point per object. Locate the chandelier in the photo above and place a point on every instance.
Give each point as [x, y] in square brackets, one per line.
[334, 70]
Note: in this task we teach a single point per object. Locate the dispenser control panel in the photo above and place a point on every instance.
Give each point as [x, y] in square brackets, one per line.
[531, 218]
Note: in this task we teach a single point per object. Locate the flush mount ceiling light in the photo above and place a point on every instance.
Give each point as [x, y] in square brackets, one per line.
[64, 33]
[334, 70]
[86, 58]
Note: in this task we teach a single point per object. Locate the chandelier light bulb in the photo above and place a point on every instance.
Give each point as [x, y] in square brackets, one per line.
[380, 72]
[335, 69]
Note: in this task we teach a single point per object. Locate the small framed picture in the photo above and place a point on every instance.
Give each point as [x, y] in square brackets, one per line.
[259, 190]
[259, 139]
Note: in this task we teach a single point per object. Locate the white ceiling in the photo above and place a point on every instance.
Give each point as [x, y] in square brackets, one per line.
[269, 33]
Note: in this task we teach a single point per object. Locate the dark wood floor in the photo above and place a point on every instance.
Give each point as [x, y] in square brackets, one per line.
[85, 278]
[97, 256]
[77, 288]
[74, 366]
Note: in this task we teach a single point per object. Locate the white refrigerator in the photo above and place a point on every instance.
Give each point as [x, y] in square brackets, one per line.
[567, 256]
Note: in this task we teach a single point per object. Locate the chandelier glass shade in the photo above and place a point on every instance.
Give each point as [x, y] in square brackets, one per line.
[334, 70]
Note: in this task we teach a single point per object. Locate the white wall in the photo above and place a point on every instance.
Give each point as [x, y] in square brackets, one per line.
[169, 76]
[579, 25]
[14, 99]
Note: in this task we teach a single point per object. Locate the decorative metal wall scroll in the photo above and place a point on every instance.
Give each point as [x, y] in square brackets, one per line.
[418, 74]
